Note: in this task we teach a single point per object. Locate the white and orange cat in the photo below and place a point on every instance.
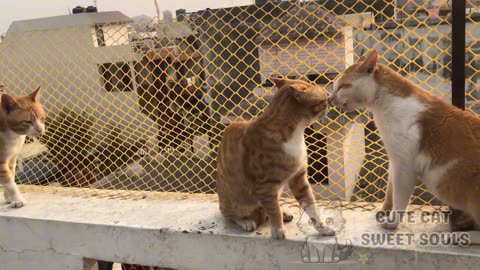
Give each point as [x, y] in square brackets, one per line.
[258, 157]
[19, 116]
[427, 140]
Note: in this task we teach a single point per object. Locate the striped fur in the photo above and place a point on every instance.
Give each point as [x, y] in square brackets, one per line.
[19, 116]
[258, 157]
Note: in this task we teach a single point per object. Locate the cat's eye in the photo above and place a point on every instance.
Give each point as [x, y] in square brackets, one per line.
[27, 122]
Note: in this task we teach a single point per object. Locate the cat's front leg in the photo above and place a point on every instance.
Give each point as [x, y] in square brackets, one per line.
[302, 191]
[269, 201]
[402, 186]
[11, 193]
[388, 202]
[13, 196]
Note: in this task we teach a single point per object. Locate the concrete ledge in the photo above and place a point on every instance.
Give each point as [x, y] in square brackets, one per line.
[57, 232]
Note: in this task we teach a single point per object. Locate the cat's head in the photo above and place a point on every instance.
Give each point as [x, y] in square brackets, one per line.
[24, 115]
[305, 98]
[356, 87]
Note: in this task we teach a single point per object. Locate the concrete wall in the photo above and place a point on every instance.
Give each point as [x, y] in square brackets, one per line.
[57, 232]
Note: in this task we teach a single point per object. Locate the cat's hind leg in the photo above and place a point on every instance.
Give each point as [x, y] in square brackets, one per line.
[247, 224]
[255, 219]
[248, 217]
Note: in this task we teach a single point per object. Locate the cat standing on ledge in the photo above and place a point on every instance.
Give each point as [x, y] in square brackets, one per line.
[427, 140]
[258, 157]
[19, 116]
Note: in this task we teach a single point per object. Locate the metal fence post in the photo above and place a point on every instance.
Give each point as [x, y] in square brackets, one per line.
[458, 74]
[458, 53]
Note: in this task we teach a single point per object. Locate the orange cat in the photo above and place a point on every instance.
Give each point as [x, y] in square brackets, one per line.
[427, 140]
[19, 116]
[258, 157]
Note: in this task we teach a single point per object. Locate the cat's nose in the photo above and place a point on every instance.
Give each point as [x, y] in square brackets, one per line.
[39, 129]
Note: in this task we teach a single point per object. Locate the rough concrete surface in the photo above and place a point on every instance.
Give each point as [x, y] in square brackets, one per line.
[57, 232]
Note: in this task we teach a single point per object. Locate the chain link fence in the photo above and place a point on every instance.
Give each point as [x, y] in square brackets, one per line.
[141, 105]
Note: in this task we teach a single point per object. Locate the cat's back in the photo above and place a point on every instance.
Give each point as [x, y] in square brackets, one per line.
[235, 130]
[449, 130]
[231, 150]
[230, 164]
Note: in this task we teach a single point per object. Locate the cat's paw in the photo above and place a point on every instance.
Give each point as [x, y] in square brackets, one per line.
[18, 203]
[247, 225]
[278, 233]
[287, 216]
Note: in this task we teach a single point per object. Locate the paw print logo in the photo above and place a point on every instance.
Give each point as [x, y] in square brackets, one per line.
[319, 248]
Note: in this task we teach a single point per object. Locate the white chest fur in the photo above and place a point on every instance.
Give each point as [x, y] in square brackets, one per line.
[295, 146]
[397, 120]
[12, 144]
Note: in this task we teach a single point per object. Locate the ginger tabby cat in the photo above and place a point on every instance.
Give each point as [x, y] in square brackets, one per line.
[427, 140]
[258, 157]
[19, 116]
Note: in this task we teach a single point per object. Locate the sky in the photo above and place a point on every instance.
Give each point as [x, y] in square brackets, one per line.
[14, 10]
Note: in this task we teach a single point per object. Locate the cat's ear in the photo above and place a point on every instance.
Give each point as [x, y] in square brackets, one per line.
[8, 103]
[298, 91]
[35, 95]
[299, 95]
[370, 62]
[279, 83]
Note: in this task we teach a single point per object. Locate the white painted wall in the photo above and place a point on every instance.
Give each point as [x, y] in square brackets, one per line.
[65, 63]
[115, 35]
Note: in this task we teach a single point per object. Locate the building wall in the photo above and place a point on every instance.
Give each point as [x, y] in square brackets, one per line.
[420, 53]
[65, 63]
[115, 34]
[302, 57]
